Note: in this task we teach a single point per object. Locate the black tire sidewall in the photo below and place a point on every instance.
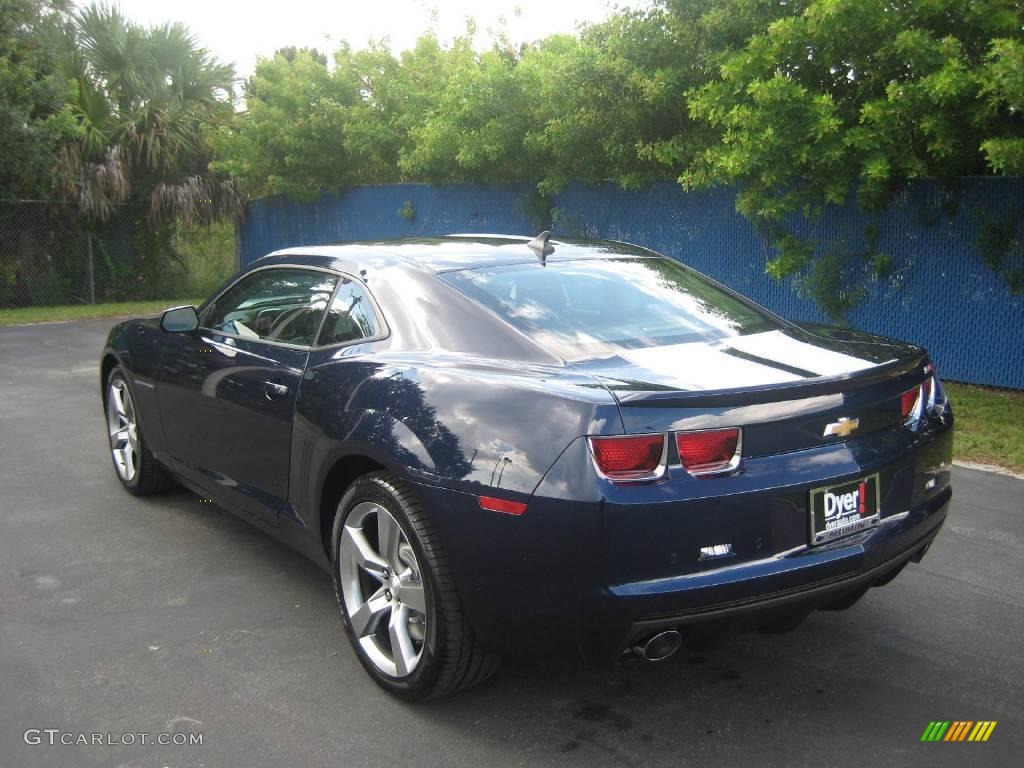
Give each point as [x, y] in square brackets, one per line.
[418, 685]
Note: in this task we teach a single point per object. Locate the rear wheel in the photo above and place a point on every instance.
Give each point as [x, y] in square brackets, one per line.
[397, 598]
[137, 469]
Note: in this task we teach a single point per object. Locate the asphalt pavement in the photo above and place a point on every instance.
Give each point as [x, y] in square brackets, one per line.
[125, 616]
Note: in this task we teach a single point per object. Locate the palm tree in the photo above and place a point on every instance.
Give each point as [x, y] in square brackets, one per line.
[144, 99]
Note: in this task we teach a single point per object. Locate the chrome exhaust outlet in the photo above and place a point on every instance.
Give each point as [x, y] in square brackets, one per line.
[660, 646]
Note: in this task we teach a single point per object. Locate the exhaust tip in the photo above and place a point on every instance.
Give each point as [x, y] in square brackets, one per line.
[660, 646]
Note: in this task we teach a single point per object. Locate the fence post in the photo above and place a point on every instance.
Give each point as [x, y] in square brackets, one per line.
[92, 277]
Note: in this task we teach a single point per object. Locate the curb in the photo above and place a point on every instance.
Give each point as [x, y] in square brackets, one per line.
[992, 468]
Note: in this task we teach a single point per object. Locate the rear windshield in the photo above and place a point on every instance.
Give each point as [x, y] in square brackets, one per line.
[593, 308]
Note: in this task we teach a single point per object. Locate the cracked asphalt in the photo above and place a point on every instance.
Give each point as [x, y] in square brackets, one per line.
[126, 616]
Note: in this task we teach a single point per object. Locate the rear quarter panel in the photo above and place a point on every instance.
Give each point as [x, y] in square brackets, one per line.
[469, 425]
[460, 428]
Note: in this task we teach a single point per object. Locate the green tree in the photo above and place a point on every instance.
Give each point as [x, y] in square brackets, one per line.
[308, 129]
[798, 103]
[142, 101]
[1002, 88]
[606, 104]
[475, 125]
[32, 95]
[860, 95]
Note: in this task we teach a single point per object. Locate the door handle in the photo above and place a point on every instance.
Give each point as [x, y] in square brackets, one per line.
[275, 389]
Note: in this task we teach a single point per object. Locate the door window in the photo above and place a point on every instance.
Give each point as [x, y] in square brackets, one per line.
[351, 316]
[280, 305]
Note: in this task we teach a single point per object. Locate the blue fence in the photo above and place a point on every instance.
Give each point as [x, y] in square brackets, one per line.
[939, 294]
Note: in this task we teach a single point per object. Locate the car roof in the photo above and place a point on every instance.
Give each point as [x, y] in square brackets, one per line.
[451, 252]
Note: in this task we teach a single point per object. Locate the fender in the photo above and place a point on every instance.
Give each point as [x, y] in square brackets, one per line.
[137, 348]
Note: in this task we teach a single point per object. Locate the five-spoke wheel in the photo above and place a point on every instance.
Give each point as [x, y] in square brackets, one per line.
[137, 468]
[397, 593]
[123, 429]
[382, 589]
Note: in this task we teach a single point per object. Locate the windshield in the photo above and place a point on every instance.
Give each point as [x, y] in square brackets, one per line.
[594, 308]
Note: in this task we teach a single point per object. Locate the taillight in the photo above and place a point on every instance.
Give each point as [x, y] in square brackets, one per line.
[919, 400]
[908, 401]
[629, 458]
[709, 451]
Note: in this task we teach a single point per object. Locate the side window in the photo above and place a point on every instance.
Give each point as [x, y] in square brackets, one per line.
[351, 316]
[283, 305]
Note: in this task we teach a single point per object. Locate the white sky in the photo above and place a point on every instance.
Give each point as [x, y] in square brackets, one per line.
[239, 31]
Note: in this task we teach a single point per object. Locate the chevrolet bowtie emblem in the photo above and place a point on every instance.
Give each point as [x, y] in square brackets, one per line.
[843, 427]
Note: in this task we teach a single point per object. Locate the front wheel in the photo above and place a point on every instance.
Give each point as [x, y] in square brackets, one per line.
[137, 469]
[397, 598]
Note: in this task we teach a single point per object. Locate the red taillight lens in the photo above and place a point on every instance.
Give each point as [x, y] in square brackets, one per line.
[630, 457]
[908, 400]
[708, 451]
[926, 391]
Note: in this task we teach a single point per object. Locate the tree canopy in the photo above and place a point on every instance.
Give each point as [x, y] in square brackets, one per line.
[797, 104]
[32, 95]
[104, 126]
[97, 110]
[861, 95]
[607, 103]
[807, 95]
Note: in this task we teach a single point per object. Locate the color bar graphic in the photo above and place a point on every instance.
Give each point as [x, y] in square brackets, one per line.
[982, 730]
[935, 730]
[958, 730]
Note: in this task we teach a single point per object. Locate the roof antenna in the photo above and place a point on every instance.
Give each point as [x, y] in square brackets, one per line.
[541, 247]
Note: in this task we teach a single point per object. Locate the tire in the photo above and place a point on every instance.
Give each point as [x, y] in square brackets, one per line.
[135, 466]
[416, 610]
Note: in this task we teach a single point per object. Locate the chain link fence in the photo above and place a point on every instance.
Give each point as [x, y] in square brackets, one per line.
[49, 256]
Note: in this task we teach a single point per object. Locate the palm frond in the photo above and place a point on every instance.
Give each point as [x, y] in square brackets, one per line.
[144, 101]
[97, 187]
[196, 200]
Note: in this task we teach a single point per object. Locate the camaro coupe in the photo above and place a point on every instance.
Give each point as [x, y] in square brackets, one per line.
[498, 444]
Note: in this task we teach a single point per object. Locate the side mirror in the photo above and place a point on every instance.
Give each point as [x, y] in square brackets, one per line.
[179, 320]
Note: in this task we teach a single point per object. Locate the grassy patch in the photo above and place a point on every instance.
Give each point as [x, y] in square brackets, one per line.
[989, 425]
[24, 315]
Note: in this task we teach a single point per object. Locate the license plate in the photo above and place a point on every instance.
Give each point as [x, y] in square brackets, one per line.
[839, 510]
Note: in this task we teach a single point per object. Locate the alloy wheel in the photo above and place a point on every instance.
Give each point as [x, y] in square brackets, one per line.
[123, 429]
[382, 589]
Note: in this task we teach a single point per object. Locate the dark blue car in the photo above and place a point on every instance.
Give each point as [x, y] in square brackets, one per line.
[498, 444]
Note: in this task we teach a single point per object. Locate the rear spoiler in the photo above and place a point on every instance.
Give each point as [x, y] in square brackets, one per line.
[914, 368]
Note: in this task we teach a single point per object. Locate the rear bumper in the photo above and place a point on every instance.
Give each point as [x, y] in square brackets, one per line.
[753, 593]
[589, 568]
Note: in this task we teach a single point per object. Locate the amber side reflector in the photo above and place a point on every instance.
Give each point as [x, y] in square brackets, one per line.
[504, 506]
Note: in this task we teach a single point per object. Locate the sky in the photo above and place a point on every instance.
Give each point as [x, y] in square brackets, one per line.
[239, 30]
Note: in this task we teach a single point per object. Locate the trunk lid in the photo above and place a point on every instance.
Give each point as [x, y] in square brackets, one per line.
[784, 387]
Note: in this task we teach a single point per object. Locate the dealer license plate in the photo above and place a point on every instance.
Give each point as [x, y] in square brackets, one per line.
[839, 510]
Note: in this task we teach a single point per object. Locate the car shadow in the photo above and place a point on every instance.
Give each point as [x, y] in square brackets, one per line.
[828, 683]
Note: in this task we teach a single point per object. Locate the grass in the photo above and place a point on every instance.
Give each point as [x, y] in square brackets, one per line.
[989, 425]
[25, 315]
